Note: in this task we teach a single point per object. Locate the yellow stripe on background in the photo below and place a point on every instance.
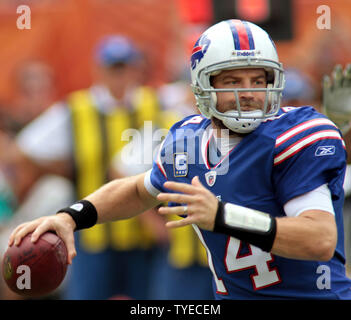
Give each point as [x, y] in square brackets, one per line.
[116, 123]
[88, 152]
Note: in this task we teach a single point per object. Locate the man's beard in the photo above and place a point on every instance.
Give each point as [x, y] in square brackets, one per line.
[252, 105]
[220, 125]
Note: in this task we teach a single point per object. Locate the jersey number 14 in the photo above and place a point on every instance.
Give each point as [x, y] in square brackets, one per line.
[257, 259]
[263, 275]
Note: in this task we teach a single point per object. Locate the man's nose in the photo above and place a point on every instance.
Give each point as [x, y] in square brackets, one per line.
[246, 94]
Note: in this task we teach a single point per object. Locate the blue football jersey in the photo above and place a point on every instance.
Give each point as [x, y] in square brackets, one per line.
[288, 155]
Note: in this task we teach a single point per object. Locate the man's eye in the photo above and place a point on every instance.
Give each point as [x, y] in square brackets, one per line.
[259, 82]
[231, 82]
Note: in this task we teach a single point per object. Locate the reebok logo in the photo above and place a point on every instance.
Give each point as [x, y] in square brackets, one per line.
[325, 151]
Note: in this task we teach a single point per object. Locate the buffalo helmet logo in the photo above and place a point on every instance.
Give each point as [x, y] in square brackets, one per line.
[199, 50]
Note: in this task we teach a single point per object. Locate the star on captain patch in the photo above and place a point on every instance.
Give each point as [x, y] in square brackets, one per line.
[211, 177]
[180, 164]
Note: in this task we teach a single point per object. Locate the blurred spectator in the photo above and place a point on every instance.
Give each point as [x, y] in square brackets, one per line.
[185, 256]
[87, 128]
[337, 105]
[347, 218]
[7, 201]
[35, 91]
[299, 89]
[180, 255]
[177, 97]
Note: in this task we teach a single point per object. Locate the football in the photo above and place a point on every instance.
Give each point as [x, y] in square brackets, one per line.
[35, 269]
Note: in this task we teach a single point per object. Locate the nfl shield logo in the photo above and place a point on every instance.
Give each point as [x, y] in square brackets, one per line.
[211, 177]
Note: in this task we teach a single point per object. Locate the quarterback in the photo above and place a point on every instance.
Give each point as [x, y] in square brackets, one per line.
[261, 185]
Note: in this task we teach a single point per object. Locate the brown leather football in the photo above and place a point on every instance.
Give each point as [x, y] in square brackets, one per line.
[35, 269]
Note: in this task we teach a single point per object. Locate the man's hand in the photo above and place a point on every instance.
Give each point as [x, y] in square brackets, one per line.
[61, 223]
[337, 97]
[200, 205]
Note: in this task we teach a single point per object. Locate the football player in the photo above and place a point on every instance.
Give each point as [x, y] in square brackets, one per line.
[262, 185]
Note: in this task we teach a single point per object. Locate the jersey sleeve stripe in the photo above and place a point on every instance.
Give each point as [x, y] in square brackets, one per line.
[300, 128]
[305, 142]
[193, 120]
[149, 186]
[159, 161]
[163, 171]
[205, 141]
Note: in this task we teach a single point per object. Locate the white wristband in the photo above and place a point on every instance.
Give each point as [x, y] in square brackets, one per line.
[246, 218]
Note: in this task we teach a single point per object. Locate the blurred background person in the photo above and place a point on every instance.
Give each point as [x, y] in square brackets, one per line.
[184, 257]
[77, 138]
[299, 89]
[337, 106]
[35, 91]
[34, 83]
[20, 196]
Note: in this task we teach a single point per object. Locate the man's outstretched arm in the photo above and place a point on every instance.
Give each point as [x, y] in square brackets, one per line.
[116, 200]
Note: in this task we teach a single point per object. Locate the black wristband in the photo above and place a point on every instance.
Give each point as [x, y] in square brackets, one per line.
[83, 213]
[261, 239]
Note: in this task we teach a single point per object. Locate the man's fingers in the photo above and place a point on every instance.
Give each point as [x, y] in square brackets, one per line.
[178, 210]
[337, 77]
[13, 234]
[22, 232]
[41, 225]
[39, 230]
[68, 239]
[181, 187]
[179, 223]
[326, 82]
[347, 76]
[175, 197]
[326, 92]
[196, 182]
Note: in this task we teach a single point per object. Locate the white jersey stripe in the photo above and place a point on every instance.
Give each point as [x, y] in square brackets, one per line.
[149, 186]
[206, 137]
[221, 289]
[305, 142]
[300, 128]
[159, 161]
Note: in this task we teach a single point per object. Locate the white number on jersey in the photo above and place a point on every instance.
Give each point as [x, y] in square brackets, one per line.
[257, 259]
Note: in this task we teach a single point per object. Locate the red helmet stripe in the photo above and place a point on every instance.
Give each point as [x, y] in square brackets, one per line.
[240, 36]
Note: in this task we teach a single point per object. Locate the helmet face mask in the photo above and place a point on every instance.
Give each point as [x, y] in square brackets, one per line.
[220, 52]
